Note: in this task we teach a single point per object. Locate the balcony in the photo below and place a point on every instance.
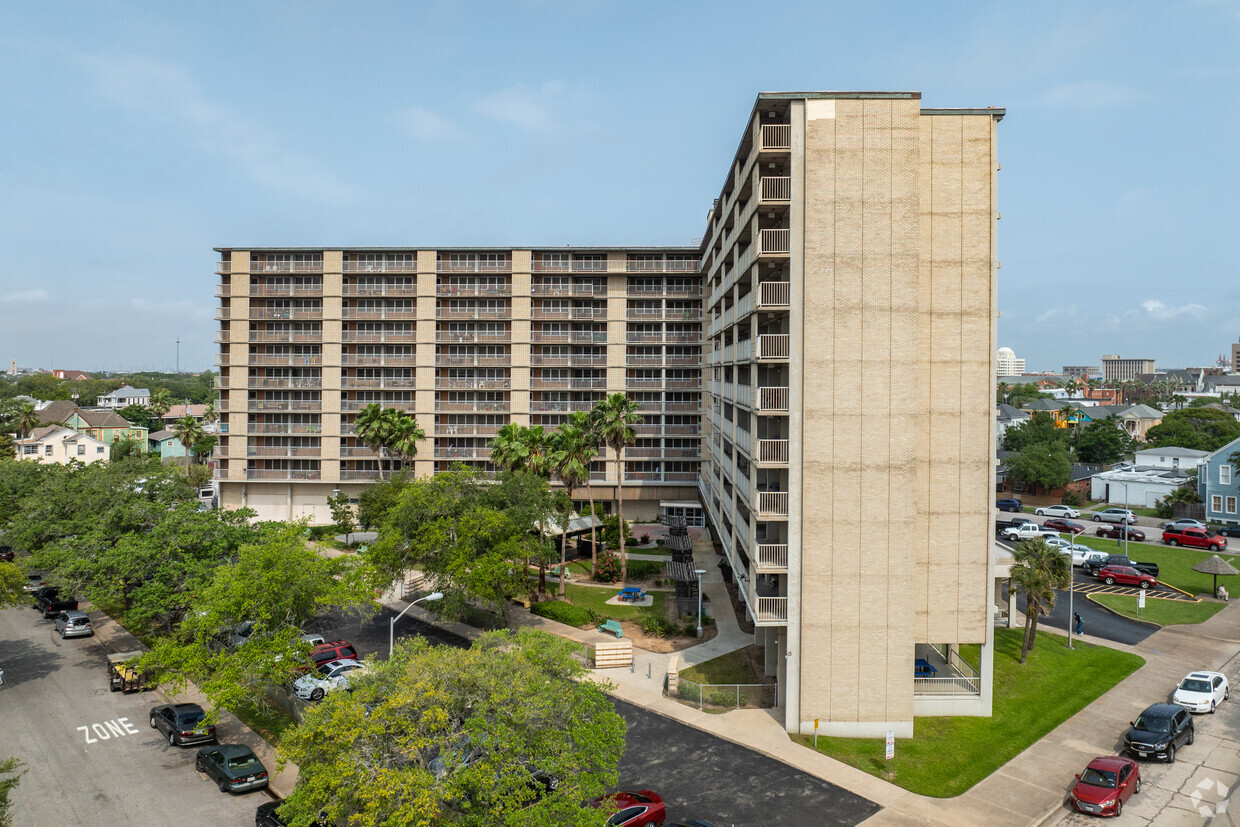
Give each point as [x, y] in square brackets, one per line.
[352, 474]
[470, 384]
[285, 382]
[774, 347]
[466, 430]
[774, 295]
[677, 477]
[280, 474]
[473, 313]
[772, 400]
[472, 407]
[462, 453]
[692, 383]
[776, 137]
[393, 336]
[314, 265]
[447, 337]
[469, 266]
[223, 291]
[283, 405]
[580, 290]
[287, 313]
[772, 558]
[223, 268]
[772, 453]
[281, 451]
[282, 428]
[376, 383]
[468, 290]
[222, 315]
[285, 336]
[378, 290]
[378, 314]
[776, 242]
[399, 266]
[771, 611]
[401, 360]
[772, 505]
[284, 290]
[775, 189]
[952, 675]
[471, 360]
[351, 405]
[279, 360]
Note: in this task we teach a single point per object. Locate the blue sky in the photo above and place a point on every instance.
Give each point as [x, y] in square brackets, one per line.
[137, 136]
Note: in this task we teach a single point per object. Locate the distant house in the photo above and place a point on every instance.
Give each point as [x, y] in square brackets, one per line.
[1227, 409]
[124, 396]
[166, 445]
[1170, 459]
[1136, 420]
[1007, 417]
[1219, 486]
[56, 412]
[1136, 487]
[73, 375]
[58, 445]
[105, 426]
[1063, 413]
[181, 411]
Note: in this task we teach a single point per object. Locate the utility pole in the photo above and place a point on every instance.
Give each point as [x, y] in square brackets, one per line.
[178, 354]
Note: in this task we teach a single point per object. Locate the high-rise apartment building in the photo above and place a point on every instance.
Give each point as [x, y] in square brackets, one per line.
[1115, 369]
[850, 272]
[1082, 372]
[466, 340]
[1007, 364]
[846, 280]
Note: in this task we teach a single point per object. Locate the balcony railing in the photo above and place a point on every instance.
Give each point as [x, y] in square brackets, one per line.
[776, 188]
[285, 382]
[568, 289]
[467, 266]
[772, 452]
[278, 266]
[283, 405]
[406, 337]
[223, 267]
[279, 290]
[661, 476]
[357, 404]
[281, 451]
[446, 337]
[774, 295]
[354, 266]
[280, 474]
[287, 313]
[470, 407]
[393, 360]
[771, 611]
[467, 290]
[284, 336]
[355, 474]
[457, 360]
[471, 384]
[472, 313]
[292, 359]
[354, 289]
[467, 430]
[376, 383]
[380, 314]
[462, 453]
[774, 347]
[772, 400]
[772, 504]
[282, 428]
[777, 242]
[772, 558]
[776, 136]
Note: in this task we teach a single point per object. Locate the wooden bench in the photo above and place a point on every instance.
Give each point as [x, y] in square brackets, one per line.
[607, 654]
[523, 602]
[611, 626]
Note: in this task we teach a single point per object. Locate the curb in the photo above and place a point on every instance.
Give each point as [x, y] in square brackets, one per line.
[1090, 598]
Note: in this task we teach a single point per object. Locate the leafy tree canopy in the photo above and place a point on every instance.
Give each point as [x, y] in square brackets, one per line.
[1020, 394]
[1102, 441]
[1040, 427]
[1047, 464]
[510, 705]
[1203, 429]
[141, 416]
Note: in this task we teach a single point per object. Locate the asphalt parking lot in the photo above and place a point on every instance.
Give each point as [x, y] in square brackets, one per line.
[90, 754]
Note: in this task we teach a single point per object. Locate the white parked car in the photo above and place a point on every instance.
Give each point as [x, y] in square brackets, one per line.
[1029, 531]
[1115, 515]
[1083, 554]
[1055, 541]
[1058, 511]
[329, 676]
[1202, 691]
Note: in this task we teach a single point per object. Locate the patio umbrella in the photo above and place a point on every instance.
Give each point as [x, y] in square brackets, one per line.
[1215, 565]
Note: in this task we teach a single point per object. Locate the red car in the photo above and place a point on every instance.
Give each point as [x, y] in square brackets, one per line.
[1126, 576]
[1064, 525]
[638, 808]
[1117, 530]
[1106, 784]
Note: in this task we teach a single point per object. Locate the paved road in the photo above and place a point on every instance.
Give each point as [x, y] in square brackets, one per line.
[120, 771]
[1096, 620]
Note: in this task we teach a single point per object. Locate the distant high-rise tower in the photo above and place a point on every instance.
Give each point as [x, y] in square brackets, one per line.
[1007, 364]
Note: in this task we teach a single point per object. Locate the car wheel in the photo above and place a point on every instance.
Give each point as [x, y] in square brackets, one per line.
[172, 739]
[1171, 754]
[1144, 586]
[1110, 581]
[1097, 519]
[223, 786]
[63, 635]
[1212, 707]
[152, 722]
[1192, 736]
[199, 765]
[1039, 512]
[1173, 542]
[316, 694]
[1136, 788]
[1119, 807]
[1227, 693]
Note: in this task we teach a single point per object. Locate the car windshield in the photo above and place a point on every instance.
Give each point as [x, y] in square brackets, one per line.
[1153, 723]
[189, 718]
[240, 762]
[1195, 685]
[1098, 778]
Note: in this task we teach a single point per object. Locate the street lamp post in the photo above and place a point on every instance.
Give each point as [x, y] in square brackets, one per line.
[392, 625]
[699, 572]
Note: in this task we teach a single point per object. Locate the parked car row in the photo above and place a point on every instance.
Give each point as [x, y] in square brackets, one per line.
[1109, 781]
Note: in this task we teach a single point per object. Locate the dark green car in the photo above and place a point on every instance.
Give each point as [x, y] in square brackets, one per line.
[233, 766]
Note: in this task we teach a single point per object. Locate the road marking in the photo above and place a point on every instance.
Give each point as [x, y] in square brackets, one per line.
[119, 727]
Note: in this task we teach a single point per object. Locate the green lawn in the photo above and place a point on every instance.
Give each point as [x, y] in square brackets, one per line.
[729, 668]
[1162, 612]
[1175, 565]
[947, 756]
[591, 597]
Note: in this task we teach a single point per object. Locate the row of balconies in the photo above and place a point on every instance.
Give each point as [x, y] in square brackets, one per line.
[410, 265]
[410, 336]
[770, 138]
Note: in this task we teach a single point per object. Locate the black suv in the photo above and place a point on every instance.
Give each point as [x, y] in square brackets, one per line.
[1159, 731]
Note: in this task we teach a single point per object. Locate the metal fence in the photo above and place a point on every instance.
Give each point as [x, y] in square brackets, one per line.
[708, 696]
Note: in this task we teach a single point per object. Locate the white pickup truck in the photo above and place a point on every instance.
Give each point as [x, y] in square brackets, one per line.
[1028, 531]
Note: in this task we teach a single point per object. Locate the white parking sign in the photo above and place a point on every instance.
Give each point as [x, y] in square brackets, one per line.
[891, 744]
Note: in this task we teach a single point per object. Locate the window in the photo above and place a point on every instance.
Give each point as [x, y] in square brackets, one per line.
[1231, 505]
[1216, 503]
[47, 450]
[99, 449]
[82, 450]
[1224, 475]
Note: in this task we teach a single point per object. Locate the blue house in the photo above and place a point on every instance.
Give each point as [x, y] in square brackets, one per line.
[1219, 486]
[166, 445]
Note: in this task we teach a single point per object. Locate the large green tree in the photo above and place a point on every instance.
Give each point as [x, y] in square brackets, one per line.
[1047, 464]
[142, 416]
[614, 417]
[1203, 429]
[440, 735]
[1037, 571]
[1040, 427]
[1102, 441]
[571, 452]
[10, 775]
[188, 432]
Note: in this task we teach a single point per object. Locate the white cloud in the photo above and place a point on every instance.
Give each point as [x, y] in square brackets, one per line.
[1157, 310]
[163, 91]
[521, 106]
[1092, 94]
[25, 296]
[423, 125]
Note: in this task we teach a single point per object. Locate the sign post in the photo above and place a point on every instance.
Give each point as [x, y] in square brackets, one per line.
[891, 749]
[815, 733]
[1140, 602]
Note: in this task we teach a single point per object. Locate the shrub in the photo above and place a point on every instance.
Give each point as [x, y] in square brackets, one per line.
[691, 630]
[645, 539]
[607, 568]
[322, 532]
[563, 612]
[641, 569]
[653, 623]
[1071, 497]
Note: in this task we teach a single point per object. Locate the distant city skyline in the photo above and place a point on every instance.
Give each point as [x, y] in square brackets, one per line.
[141, 135]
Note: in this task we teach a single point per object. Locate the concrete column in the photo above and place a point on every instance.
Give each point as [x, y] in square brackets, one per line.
[773, 655]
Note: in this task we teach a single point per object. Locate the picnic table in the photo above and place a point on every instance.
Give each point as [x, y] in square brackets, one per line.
[631, 594]
[922, 668]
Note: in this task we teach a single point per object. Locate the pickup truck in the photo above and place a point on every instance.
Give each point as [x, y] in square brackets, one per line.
[47, 600]
[1092, 567]
[1194, 538]
[1027, 531]
[1003, 525]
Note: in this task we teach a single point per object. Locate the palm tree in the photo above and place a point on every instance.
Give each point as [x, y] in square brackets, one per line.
[405, 438]
[583, 422]
[520, 448]
[188, 432]
[27, 419]
[373, 426]
[614, 418]
[161, 402]
[1038, 571]
[569, 459]
[210, 415]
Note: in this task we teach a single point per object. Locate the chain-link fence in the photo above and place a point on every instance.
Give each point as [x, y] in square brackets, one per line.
[716, 696]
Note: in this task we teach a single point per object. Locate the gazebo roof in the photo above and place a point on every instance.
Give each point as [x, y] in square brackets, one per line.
[1215, 565]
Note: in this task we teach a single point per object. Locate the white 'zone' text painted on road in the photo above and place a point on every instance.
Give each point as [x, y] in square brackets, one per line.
[119, 727]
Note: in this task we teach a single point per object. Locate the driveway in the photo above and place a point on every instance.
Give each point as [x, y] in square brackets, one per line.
[1096, 621]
